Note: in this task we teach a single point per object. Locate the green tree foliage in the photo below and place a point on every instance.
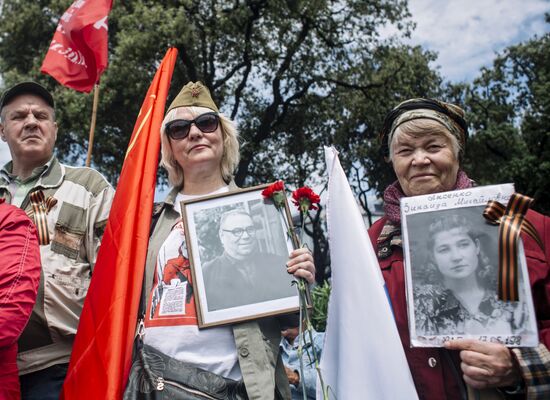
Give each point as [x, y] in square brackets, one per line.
[294, 74]
[392, 74]
[508, 108]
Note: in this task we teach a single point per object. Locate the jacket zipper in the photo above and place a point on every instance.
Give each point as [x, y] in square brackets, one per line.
[161, 382]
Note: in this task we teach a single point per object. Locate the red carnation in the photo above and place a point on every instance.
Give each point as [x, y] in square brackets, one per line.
[305, 199]
[275, 192]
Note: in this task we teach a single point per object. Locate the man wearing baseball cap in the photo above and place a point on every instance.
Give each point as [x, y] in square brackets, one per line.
[70, 207]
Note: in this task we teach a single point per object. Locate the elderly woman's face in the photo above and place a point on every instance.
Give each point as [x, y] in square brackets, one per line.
[198, 150]
[425, 163]
[455, 253]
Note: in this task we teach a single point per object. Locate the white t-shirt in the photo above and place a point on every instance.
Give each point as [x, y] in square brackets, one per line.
[171, 324]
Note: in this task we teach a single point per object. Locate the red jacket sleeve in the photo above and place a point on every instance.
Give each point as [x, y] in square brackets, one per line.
[539, 272]
[19, 272]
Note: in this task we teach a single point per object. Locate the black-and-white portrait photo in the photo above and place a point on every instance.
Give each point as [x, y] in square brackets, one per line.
[453, 276]
[248, 248]
[251, 267]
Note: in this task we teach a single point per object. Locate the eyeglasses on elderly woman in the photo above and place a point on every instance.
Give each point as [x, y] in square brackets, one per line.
[178, 129]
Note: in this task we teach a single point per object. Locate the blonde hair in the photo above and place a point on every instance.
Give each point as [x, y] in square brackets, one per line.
[230, 157]
[423, 127]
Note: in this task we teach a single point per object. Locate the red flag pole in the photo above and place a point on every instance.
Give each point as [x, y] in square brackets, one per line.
[102, 350]
[92, 125]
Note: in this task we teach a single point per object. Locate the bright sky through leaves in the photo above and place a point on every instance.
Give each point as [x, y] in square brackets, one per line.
[466, 33]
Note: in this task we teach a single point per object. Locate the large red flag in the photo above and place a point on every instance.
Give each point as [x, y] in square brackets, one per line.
[78, 52]
[102, 351]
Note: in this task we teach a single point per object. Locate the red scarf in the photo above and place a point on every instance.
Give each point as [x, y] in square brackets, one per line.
[394, 193]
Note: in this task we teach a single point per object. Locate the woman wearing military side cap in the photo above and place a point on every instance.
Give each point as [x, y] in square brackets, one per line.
[425, 140]
[200, 151]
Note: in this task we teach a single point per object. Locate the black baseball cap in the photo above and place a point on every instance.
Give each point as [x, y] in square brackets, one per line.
[26, 88]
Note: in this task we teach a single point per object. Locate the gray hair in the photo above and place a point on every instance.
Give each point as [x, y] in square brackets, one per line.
[422, 127]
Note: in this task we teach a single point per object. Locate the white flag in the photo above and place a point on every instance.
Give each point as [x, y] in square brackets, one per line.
[362, 356]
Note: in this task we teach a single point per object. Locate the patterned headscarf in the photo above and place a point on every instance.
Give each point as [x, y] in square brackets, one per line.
[449, 115]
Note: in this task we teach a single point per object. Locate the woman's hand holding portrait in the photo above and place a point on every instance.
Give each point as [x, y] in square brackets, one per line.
[486, 365]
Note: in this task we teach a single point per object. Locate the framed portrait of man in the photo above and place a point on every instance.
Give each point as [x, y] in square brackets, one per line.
[451, 262]
[238, 245]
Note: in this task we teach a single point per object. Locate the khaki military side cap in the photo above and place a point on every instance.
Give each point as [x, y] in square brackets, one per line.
[193, 94]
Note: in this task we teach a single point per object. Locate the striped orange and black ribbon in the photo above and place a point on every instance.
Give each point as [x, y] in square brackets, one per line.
[40, 207]
[511, 221]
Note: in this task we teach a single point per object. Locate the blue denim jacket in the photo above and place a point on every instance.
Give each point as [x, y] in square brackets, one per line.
[289, 353]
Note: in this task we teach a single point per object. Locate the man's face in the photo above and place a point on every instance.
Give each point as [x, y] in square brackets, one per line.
[29, 128]
[238, 236]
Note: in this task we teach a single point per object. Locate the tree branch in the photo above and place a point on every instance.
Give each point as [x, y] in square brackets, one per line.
[270, 113]
[246, 58]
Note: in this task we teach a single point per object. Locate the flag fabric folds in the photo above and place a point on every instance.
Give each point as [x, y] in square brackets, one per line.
[102, 352]
[78, 52]
[362, 355]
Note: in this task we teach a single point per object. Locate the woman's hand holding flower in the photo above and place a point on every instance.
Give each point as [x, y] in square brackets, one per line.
[301, 264]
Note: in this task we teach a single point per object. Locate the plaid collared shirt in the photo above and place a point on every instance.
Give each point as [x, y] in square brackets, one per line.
[535, 370]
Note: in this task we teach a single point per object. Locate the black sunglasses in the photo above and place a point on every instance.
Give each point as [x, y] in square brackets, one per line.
[178, 129]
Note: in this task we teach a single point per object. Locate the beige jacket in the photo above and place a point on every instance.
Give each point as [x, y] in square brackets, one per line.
[75, 224]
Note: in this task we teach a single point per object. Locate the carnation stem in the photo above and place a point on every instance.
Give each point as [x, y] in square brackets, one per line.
[303, 206]
[304, 316]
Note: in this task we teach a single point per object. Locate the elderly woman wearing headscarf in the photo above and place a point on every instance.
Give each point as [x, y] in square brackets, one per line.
[424, 139]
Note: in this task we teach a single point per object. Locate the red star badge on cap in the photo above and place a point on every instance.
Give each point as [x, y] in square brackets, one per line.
[195, 91]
